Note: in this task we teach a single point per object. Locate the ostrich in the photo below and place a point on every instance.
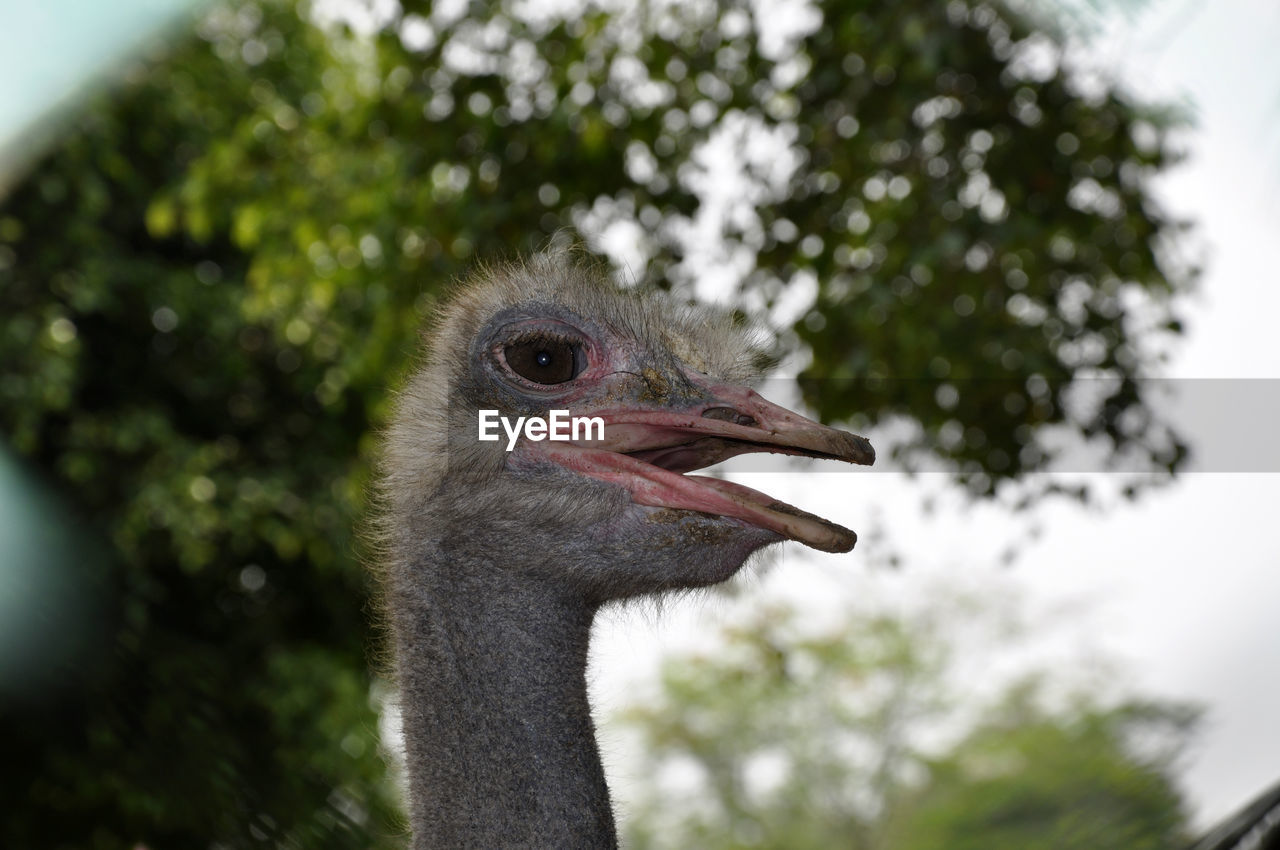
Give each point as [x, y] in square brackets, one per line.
[498, 560]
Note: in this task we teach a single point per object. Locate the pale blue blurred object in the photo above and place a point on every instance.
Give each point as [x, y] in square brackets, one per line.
[55, 52]
[51, 584]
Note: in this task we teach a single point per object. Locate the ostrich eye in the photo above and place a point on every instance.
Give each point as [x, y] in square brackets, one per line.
[544, 360]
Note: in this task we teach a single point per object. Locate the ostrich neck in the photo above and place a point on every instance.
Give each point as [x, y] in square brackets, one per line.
[500, 746]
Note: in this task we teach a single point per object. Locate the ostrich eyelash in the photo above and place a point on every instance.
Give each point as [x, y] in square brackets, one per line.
[545, 337]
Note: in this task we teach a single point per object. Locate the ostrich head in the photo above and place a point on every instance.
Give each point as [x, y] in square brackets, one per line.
[607, 518]
[499, 559]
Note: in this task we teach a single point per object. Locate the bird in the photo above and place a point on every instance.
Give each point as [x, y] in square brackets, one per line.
[499, 553]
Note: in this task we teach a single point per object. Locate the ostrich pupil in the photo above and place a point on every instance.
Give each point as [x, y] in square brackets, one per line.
[543, 361]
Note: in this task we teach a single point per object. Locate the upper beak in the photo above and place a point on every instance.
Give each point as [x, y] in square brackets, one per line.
[646, 448]
[735, 420]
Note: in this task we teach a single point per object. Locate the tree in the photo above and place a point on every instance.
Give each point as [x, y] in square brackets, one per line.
[780, 738]
[1091, 776]
[209, 284]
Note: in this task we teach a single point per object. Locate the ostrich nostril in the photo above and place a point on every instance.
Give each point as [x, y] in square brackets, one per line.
[728, 414]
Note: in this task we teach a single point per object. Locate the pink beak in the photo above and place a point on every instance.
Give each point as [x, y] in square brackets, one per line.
[646, 450]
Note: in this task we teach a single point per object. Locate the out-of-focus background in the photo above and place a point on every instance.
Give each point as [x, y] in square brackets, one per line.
[1026, 248]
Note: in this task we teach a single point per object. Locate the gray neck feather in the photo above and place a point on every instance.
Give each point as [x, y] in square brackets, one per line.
[501, 749]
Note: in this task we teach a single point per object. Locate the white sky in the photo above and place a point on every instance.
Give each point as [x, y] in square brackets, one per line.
[1183, 588]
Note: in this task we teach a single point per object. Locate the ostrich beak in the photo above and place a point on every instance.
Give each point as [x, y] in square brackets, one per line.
[737, 420]
[647, 448]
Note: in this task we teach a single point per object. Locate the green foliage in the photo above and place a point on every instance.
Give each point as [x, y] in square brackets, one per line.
[776, 738]
[211, 283]
[1026, 779]
[999, 222]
